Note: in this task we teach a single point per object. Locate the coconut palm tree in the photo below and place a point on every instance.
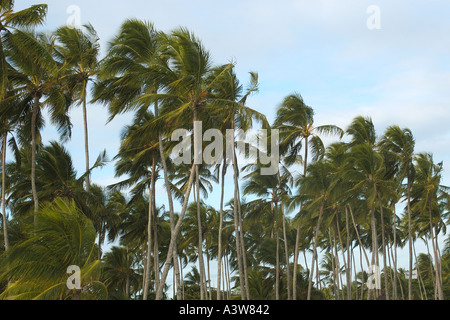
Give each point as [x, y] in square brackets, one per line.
[318, 186]
[271, 194]
[10, 119]
[119, 273]
[11, 20]
[295, 120]
[78, 51]
[37, 75]
[427, 193]
[37, 267]
[400, 143]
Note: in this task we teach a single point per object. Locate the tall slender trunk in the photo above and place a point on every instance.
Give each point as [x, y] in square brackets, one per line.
[155, 228]
[237, 220]
[86, 138]
[162, 156]
[297, 238]
[219, 252]
[395, 254]
[242, 242]
[149, 236]
[316, 236]
[410, 297]
[349, 270]
[277, 267]
[346, 262]
[374, 261]
[419, 274]
[337, 267]
[383, 244]
[174, 235]
[358, 237]
[33, 157]
[201, 266]
[440, 292]
[286, 250]
[5, 220]
[277, 250]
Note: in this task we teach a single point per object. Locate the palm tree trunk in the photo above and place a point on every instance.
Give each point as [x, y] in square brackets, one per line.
[410, 297]
[374, 261]
[277, 267]
[395, 254]
[440, 292]
[149, 236]
[174, 235]
[33, 157]
[346, 262]
[286, 251]
[386, 285]
[297, 238]
[201, 266]
[316, 235]
[170, 201]
[5, 220]
[219, 252]
[86, 138]
[349, 273]
[337, 267]
[242, 242]
[359, 238]
[237, 220]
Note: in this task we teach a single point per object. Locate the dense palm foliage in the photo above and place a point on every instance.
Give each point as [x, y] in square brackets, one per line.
[317, 228]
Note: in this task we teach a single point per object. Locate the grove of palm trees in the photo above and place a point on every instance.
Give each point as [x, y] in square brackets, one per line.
[328, 225]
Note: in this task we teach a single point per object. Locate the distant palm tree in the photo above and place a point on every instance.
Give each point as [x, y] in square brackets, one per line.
[119, 273]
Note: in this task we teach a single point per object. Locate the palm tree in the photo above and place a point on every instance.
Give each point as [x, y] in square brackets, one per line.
[317, 186]
[295, 120]
[79, 52]
[129, 74]
[236, 116]
[36, 268]
[119, 273]
[400, 143]
[271, 193]
[10, 119]
[427, 193]
[15, 20]
[37, 75]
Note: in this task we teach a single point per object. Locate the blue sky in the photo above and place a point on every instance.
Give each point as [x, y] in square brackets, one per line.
[322, 49]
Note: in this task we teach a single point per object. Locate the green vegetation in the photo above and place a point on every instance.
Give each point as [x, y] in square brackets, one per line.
[339, 208]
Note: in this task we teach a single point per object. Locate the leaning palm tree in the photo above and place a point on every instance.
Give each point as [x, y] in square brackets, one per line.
[78, 50]
[36, 268]
[37, 75]
[295, 120]
[129, 75]
[15, 20]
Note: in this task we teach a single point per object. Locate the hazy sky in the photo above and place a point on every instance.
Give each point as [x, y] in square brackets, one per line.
[322, 49]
